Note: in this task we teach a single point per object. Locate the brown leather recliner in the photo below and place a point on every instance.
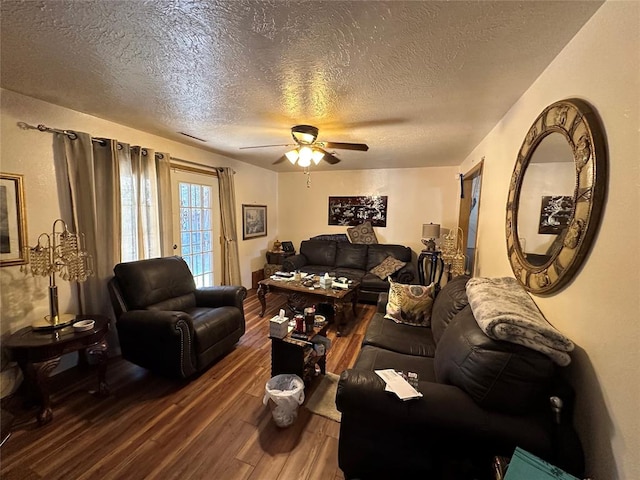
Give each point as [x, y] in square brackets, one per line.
[169, 326]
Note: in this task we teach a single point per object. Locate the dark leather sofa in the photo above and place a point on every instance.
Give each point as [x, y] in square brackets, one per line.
[481, 398]
[352, 260]
[169, 326]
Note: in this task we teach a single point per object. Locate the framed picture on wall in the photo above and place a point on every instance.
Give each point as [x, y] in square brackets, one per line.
[352, 211]
[254, 221]
[13, 222]
[555, 213]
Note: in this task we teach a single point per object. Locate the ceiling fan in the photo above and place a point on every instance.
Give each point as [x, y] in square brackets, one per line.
[308, 150]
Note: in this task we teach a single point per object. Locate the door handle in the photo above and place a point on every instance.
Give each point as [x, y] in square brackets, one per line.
[175, 247]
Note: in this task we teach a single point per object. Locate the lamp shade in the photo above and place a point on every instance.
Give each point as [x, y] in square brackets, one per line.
[430, 230]
[292, 156]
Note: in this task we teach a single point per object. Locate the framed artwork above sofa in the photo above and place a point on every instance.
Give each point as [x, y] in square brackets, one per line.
[351, 211]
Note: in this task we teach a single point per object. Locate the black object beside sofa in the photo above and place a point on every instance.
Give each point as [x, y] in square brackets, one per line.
[353, 260]
[481, 398]
[169, 326]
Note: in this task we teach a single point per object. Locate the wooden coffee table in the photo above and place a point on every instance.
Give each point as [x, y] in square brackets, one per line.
[299, 296]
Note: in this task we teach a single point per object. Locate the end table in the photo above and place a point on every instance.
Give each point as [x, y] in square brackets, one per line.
[436, 268]
[38, 353]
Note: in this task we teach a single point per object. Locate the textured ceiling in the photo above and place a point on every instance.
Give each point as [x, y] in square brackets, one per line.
[421, 83]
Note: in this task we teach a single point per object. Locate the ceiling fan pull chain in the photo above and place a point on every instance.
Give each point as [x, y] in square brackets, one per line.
[307, 172]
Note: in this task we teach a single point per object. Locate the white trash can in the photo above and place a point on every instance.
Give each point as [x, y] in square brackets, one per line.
[284, 393]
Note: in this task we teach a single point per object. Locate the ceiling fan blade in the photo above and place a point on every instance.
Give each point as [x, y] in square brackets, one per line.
[328, 157]
[362, 147]
[280, 160]
[265, 146]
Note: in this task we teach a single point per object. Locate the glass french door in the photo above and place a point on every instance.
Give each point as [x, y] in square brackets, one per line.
[196, 224]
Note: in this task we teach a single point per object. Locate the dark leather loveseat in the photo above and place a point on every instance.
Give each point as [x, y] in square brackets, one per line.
[169, 326]
[354, 261]
[481, 398]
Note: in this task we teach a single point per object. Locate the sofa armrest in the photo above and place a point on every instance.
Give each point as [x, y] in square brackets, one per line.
[406, 275]
[160, 340]
[362, 391]
[443, 408]
[294, 262]
[221, 296]
[155, 322]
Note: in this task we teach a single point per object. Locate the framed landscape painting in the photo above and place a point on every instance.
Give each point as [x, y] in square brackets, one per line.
[13, 224]
[254, 221]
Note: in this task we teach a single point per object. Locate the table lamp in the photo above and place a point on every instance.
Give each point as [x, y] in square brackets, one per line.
[59, 252]
[430, 231]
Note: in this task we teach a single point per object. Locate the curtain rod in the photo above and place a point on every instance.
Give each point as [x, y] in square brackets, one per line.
[72, 135]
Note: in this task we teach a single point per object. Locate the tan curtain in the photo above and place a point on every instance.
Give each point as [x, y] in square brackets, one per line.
[119, 197]
[165, 204]
[230, 256]
[147, 227]
[89, 190]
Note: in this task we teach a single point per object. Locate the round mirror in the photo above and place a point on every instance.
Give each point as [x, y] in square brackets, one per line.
[556, 195]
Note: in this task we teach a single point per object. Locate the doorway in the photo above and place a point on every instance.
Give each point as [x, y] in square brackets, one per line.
[469, 214]
[196, 223]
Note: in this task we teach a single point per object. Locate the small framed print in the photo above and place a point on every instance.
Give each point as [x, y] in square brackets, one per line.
[13, 223]
[254, 221]
[555, 214]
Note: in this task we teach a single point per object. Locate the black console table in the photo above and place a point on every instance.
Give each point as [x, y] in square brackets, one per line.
[435, 270]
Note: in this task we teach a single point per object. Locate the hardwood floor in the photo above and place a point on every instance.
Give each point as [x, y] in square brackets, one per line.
[212, 427]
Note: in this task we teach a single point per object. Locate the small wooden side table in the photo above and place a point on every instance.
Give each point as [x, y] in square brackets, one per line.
[292, 355]
[277, 257]
[38, 353]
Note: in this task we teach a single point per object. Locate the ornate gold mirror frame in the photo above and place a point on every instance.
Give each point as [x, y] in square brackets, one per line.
[580, 126]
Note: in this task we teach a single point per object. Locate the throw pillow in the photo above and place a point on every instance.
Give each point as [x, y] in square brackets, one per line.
[410, 304]
[362, 233]
[388, 266]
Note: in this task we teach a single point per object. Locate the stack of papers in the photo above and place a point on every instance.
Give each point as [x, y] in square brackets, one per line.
[398, 385]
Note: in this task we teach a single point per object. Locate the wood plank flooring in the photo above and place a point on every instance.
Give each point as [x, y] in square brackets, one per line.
[212, 427]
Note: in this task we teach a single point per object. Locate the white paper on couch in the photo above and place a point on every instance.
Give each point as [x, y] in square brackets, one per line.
[398, 385]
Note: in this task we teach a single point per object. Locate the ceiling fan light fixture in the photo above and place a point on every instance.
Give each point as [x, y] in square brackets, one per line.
[292, 156]
[304, 134]
[316, 156]
[305, 156]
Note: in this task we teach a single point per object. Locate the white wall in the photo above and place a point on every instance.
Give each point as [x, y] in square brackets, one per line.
[415, 196]
[600, 308]
[29, 152]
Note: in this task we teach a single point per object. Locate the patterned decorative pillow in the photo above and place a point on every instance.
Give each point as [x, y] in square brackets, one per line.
[388, 266]
[410, 304]
[362, 233]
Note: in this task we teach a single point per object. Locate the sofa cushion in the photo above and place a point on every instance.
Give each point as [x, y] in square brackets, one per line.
[372, 282]
[497, 375]
[387, 267]
[351, 255]
[410, 304]
[398, 337]
[451, 299]
[319, 252]
[350, 273]
[362, 233]
[377, 253]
